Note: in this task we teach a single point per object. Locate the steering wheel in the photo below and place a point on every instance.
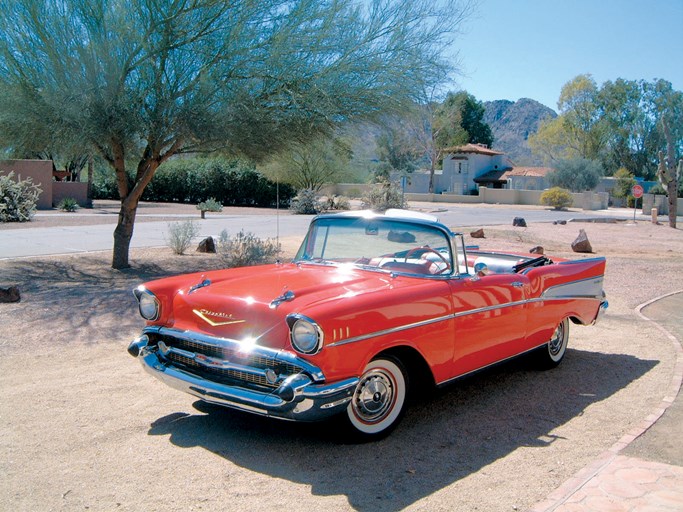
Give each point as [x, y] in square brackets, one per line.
[425, 250]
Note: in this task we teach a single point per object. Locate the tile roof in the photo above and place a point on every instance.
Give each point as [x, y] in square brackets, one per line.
[473, 148]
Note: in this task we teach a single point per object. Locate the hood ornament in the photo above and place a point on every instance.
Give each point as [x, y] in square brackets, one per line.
[202, 284]
[285, 297]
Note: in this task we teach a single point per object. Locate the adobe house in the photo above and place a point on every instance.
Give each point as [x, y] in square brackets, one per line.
[49, 179]
[466, 168]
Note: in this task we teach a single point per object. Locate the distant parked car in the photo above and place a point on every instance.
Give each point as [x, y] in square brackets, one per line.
[370, 304]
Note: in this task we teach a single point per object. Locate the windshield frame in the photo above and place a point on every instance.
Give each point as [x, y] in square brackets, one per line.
[315, 246]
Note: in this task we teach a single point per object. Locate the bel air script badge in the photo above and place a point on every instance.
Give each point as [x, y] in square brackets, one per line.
[216, 318]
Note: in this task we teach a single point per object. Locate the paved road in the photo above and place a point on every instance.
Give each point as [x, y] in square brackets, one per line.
[35, 241]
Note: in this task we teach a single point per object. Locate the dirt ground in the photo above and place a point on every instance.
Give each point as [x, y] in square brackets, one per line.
[83, 427]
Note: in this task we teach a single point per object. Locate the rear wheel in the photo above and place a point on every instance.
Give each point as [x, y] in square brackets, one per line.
[552, 353]
[379, 398]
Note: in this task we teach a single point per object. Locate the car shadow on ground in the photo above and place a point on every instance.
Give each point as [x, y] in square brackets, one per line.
[451, 434]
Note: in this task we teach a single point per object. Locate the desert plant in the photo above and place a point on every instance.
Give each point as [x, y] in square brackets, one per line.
[68, 204]
[245, 249]
[337, 203]
[306, 202]
[210, 205]
[557, 197]
[384, 195]
[181, 235]
[18, 199]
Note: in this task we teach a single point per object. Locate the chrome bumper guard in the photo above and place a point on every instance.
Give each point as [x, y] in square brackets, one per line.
[601, 311]
[296, 398]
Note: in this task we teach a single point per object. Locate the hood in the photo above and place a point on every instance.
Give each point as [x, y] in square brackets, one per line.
[252, 303]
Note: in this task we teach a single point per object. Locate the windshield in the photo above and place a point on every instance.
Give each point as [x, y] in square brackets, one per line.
[378, 243]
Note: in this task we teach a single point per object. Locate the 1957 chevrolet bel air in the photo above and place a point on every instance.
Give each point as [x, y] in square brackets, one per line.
[371, 304]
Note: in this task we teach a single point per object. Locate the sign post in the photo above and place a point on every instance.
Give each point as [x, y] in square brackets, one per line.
[637, 192]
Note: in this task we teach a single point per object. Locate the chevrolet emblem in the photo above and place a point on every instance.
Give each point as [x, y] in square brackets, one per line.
[218, 318]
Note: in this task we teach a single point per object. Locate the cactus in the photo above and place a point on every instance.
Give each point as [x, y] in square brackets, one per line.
[669, 173]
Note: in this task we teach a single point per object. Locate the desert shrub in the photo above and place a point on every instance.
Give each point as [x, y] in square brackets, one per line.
[576, 174]
[306, 202]
[384, 195]
[246, 249]
[68, 204]
[210, 205]
[18, 199]
[180, 235]
[557, 197]
[337, 203]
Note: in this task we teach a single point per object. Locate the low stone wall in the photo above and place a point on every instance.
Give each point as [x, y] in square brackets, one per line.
[661, 203]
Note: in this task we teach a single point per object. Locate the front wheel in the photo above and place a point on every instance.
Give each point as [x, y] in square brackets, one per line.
[552, 353]
[379, 398]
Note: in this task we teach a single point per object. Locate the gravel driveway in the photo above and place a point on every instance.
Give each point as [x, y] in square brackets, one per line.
[82, 427]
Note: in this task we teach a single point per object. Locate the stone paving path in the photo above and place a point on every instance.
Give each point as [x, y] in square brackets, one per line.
[621, 483]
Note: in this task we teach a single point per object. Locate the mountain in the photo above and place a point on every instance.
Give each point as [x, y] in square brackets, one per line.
[512, 123]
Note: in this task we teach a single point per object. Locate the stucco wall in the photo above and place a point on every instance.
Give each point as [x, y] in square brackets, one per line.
[40, 172]
[72, 189]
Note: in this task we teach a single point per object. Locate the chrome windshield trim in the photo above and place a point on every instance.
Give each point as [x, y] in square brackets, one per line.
[278, 354]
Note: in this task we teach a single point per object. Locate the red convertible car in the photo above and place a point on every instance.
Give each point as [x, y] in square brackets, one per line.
[371, 304]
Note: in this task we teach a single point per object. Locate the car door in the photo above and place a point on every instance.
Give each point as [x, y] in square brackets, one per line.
[490, 316]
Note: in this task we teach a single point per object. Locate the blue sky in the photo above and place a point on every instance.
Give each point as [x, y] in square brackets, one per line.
[513, 49]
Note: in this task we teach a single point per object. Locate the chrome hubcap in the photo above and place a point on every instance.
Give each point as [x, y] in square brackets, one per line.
[374, 396]
[557, 341]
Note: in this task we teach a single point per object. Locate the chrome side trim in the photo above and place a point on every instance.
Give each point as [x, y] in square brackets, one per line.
[422, 323]
[590, 288]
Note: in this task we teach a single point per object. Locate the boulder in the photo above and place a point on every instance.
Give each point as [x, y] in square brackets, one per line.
[519, 222]
[581, 244]
[10, 294]
[537, 250]
[560, 222]
[207, 245]
[479, 233]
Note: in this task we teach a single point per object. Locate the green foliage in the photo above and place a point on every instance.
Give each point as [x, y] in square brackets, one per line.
[311, 165]
[141, 81]
[68, 204]
[191, 180]
[181, 235]
[18, 199]
[306, 202]
[624, 184]
[246, 249]
[557, 197]
[470, 116]
[577, 174]
[210, 205]
[384, 195]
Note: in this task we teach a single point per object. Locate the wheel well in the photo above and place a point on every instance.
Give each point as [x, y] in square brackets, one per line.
[419, 374]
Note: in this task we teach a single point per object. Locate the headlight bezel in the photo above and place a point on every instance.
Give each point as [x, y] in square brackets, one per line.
[146, 300]
[305, 335]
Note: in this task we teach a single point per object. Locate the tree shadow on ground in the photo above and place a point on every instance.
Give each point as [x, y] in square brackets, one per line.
[453, 433]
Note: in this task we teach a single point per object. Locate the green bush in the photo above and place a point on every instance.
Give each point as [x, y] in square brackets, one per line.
[246, 249]
[557, 197]
[384, 195]
[68, 204]
[18, 199]
[181, 235]
[210, 205]
[192, 180]
[306, 202]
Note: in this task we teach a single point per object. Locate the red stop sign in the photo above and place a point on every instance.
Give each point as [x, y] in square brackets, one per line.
[637, 191]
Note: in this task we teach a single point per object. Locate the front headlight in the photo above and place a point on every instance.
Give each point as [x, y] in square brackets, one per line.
[148, 303]
[306, 335]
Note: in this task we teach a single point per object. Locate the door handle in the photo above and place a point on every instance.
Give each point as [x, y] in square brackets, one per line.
[517, 284]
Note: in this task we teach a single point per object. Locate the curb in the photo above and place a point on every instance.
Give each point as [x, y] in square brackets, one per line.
[560, 495]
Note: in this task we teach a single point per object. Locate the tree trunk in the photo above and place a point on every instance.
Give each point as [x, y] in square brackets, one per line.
[672, 196]
[123, 233]
[90, 179]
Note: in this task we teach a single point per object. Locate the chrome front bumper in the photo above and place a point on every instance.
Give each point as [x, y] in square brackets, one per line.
[296, 398]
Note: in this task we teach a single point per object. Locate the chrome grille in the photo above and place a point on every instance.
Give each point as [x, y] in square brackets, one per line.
[261, 362]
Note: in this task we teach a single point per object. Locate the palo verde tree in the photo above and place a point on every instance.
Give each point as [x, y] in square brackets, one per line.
[143, 80]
